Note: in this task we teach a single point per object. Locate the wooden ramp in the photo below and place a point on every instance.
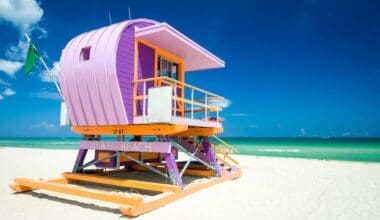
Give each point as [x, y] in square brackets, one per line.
[130, 205]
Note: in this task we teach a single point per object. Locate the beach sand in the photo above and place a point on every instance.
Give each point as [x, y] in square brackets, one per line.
[269, 188]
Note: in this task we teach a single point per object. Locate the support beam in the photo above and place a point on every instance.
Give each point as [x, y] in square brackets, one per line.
[149, 206]
[146, 166]
[173, 172]
[80, 159]
[80, 191]
[184, 150]
[146, 129]
[210, 155]
[18, 188]
[191, 158]
[122, 182]
[190, 172]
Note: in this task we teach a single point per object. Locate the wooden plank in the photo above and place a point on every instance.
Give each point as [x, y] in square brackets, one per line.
[80, 191]
[122, 182]
[190, 172]
[18, 188]
[192, 188]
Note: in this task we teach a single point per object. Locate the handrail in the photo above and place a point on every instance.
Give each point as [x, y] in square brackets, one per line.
[226, 155]
[181, 103]
[226, 144]
[179, 82]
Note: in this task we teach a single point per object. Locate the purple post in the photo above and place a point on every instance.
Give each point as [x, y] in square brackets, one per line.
[80, 159]
[172, 169]
[210, 155]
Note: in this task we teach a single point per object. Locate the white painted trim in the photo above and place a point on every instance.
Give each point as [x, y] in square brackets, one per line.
[169, 29]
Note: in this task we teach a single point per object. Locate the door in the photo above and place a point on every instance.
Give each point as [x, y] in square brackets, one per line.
[170, 69]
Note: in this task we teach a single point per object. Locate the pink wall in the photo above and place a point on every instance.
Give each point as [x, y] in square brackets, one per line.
[95, 90]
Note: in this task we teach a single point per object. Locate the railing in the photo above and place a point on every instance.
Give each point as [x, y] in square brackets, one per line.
[223, 151]
[188, 101]
[223, 146]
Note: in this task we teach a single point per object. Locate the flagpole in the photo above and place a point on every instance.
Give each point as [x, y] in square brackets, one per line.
[46, 67]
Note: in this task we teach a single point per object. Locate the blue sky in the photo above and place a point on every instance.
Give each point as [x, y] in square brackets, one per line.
[293, 68]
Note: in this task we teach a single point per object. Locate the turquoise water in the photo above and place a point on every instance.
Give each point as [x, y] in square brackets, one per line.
[350, 149]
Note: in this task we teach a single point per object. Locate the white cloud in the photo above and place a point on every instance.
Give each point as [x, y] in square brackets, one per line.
[44, 125]
[224, 103]
[239, 114]
[5, 83]
[45, 94]
[44, 75]
[8, 92]
[1, 97]
[17, 52]
[23, 14]
[302, 131]
[10, 67]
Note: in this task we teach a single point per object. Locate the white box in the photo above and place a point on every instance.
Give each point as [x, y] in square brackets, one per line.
[160, 105]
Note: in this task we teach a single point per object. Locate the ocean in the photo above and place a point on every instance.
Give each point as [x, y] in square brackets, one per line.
[349, 149]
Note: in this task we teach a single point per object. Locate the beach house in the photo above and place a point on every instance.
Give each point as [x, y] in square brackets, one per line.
[126, 82]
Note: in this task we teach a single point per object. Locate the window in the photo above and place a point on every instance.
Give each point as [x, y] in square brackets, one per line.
[167, 68]
[85, 53]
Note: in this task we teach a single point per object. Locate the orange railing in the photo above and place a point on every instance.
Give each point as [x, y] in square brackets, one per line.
[188, 101]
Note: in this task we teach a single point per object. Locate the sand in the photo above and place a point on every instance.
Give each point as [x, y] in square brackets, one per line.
[270, 188]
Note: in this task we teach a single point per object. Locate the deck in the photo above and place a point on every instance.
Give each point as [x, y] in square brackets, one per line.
[165, 100]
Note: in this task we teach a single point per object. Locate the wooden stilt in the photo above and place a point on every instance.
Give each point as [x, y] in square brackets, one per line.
[79, 191]
[19, 188]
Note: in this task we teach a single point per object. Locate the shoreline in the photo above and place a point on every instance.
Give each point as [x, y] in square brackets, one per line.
[347, 149]
[249, 155]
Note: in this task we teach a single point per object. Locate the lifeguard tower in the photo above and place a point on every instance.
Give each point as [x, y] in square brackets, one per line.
[126, 81]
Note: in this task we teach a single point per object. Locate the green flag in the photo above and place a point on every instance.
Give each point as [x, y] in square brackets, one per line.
[31, 58]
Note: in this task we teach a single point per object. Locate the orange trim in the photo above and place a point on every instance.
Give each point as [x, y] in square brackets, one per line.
[135, 77]
[122, 182]
[157, 52]
[155, 67]
[160, 51]
[80, 191]
[130, 205]
[192, 188]
[148, 129]
[19, 188]
[200, 131]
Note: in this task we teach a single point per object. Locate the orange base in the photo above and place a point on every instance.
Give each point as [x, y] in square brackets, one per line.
[130, 205]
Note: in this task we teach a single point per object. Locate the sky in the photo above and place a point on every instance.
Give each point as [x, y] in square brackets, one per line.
[293, 68]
